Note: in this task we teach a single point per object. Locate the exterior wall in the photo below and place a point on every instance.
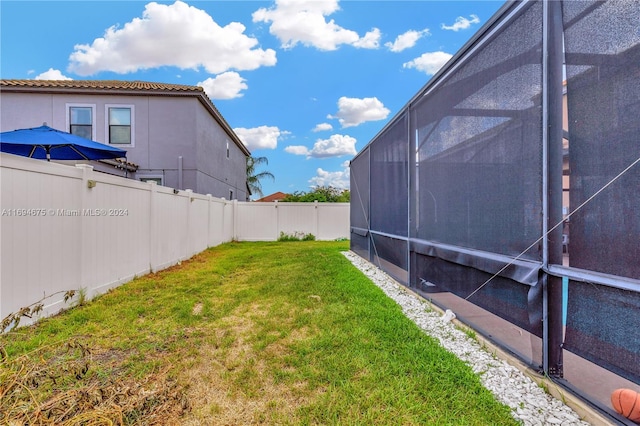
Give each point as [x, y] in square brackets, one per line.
[167, 130]
[26, 110]
[215, 170]
[173, 125]
[58, 233]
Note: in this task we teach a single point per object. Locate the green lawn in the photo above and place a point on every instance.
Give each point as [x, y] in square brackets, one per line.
[273, 333]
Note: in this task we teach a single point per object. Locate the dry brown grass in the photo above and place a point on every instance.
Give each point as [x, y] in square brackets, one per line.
[214, 392]
[225, 383]
[115, 401]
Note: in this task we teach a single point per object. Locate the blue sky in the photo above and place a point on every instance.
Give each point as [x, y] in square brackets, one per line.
[306, 84]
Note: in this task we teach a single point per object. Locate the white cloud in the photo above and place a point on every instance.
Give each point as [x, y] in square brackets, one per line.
[462, 23]
[339, 179]
[297, 150]
[355, 111]
[52, 74]
[303, 21]
[335, 146]
[227, 85]
[406, 40]
[371, 40]
[171, 35]
[322, 127]
[429, 62]
[263, 137]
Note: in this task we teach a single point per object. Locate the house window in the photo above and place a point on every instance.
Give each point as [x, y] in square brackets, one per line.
[227, 149]
[156, 179]
[231, 194]
[80, 120]
[120, 125]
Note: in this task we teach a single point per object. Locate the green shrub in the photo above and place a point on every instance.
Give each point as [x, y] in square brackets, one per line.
[296, 236]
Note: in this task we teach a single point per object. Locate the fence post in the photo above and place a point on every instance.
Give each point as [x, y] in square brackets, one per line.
[209, 201]
[275, 203]
[85, 264]
[317, 220]
[189, 250]
[235, 220]
[153, 226]
[225, 232]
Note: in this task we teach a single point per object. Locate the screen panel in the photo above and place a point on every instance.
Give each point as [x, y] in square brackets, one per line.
[390, 254]
[389, 179]
[479, 142]
[603, 97]
[359, 204]
[603, 326]
[517, 303]
[359, 188]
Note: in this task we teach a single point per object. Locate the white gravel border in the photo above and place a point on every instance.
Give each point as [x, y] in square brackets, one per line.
[529, 403]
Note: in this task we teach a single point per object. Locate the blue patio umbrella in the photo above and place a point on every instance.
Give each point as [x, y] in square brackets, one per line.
[45, 142]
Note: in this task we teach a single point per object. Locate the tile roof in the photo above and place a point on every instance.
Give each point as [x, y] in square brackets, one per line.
[121, 164]
[122, 87]
[276, 196]
[100, 84]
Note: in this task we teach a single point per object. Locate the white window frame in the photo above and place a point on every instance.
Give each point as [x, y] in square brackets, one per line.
[68, 107]
[161, 177]
[133, 125]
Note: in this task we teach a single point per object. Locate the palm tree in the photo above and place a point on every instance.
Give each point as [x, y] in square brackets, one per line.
[253, 177]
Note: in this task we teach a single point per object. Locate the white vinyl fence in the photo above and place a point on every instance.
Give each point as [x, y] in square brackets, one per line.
[69, 228]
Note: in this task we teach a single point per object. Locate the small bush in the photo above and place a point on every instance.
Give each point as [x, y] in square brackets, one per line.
[296, 236]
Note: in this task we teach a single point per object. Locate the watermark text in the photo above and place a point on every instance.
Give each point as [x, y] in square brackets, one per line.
[42, 212]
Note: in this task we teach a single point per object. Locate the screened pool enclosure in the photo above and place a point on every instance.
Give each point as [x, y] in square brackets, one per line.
[507, 190]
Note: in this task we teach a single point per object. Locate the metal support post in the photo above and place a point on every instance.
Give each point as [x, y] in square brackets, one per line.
[554, 183]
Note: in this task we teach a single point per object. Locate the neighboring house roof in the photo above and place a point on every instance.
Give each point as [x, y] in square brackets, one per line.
[276, 196]
[120, 163]
[118, 87]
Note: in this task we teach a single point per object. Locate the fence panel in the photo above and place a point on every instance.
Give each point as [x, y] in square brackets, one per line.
[297, 218]
[169, 227]
[266, 221]
[230, 221]
[220, 222]
[199, 210]
[41, 236]
[114, 246]
[333, 221]
[256, 222]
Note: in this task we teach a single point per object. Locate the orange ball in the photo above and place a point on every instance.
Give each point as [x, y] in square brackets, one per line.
[627, 403]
